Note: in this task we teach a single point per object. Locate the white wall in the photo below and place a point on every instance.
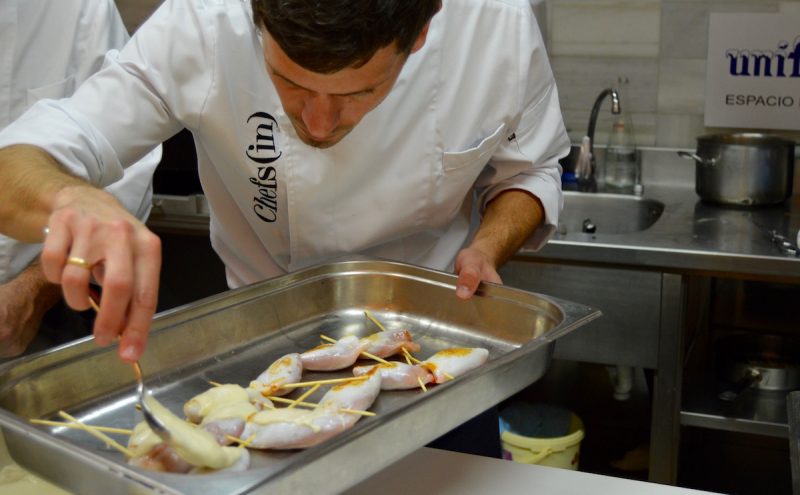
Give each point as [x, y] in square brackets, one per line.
[659, 45]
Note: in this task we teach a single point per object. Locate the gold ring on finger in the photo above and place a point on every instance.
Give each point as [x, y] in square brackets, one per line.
[77, 261]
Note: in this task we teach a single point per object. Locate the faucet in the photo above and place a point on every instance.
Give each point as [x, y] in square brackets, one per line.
[616, 109]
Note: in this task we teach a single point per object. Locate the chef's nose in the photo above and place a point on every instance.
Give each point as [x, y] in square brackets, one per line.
[321, 115]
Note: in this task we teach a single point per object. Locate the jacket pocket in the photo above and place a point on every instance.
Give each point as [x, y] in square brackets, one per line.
[56, 90]
[476, 156]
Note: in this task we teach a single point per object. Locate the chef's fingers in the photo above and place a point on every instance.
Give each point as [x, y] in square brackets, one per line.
[117, 281]
[147, 267]
[468, 279]
[472, 268]
[72, 257]
[56, 246]
[90, 231]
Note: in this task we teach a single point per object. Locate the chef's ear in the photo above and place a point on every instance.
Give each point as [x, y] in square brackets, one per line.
[420, 41]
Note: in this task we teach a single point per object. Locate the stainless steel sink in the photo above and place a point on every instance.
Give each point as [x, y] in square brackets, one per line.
[600, 213]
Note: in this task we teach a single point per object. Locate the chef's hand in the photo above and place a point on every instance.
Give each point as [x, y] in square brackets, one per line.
[120, 252]
[23, 302]
[472, 267]
[509, 219]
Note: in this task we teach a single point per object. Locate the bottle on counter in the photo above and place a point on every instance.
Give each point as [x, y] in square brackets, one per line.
[621, 164]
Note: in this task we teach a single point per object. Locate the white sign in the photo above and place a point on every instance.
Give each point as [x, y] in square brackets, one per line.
[753, 71]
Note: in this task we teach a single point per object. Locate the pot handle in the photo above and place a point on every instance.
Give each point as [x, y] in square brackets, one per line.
[694, 156]
[751, 377]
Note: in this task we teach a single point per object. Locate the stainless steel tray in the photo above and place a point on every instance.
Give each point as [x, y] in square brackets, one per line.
[232, 337]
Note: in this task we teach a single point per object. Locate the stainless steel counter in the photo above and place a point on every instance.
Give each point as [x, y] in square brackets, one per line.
[691, 236]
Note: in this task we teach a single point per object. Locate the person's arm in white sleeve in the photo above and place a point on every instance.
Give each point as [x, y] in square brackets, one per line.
[113, 119]
[520, 190]
[98, 28]
[103, 30]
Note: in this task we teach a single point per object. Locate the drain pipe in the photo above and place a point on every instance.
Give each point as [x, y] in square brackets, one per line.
[621, 380]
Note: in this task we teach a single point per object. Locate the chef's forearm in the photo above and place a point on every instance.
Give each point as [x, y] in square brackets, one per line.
[31, 180]
[508, 221]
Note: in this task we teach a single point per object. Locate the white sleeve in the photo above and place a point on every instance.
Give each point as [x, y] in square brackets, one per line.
[529, 161]
[100, 29]
[156, 85]
[74, 137]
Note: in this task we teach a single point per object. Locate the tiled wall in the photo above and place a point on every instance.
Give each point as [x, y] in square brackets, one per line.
[658, 45]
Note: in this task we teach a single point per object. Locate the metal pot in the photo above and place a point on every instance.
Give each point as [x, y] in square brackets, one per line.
[758, 361]
[743, 169]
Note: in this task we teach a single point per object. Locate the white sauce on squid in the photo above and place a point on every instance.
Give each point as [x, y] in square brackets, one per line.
[194, 445]
[200, 405]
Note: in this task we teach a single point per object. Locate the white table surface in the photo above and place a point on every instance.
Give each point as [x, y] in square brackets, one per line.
[439, 472]
[427, 471]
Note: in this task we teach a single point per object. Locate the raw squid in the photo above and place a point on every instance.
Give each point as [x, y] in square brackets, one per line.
[222, 410]
[285, 428]
[228, 412]
[454, 362]
[397, 375]
[358, 395]
[385, 344]
[163, 457]
[150, 452]
[225, 431]
[287, 369]
[257, 399]
[194, 445]
[227, 420]
[329, 357]
[345, 352]
[142, 440]
[242, 463]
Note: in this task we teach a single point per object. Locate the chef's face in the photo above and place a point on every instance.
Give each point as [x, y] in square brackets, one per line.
[324, 108]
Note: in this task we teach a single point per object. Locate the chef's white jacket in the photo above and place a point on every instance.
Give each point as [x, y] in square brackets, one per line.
[47, 49]
[399, 186]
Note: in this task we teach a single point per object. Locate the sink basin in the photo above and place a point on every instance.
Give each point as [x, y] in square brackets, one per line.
[607, 213]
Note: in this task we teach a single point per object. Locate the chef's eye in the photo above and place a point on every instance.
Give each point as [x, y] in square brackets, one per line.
[358, 96]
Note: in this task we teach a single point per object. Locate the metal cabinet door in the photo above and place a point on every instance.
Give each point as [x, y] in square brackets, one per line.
[630, 300]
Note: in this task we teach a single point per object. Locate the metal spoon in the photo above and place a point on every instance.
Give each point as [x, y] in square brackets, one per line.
[155, 424]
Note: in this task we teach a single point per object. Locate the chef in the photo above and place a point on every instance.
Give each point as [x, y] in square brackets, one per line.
[414, 130]
[47, 49]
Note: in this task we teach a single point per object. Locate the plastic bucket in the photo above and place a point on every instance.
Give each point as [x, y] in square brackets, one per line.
[541, 434]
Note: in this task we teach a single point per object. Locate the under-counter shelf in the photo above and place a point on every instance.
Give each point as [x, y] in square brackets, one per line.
[761, 312]
[754, 411]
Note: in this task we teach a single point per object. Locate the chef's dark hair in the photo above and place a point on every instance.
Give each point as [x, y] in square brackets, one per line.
[326, 36]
